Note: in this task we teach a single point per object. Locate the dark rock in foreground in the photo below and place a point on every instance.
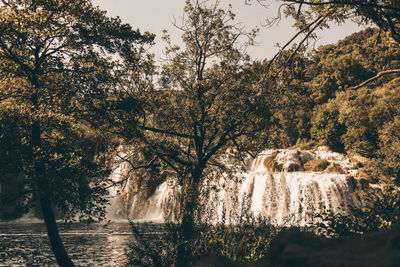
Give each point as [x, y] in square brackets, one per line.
[295, 248]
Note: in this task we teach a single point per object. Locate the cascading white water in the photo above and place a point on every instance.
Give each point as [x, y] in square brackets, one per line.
[276, 187]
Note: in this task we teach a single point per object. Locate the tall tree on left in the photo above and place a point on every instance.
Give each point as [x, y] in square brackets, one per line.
[59, 61]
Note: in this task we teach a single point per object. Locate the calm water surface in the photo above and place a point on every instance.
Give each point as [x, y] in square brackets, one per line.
[26, 244]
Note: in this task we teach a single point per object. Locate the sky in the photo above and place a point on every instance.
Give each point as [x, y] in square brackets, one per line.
[156, 15]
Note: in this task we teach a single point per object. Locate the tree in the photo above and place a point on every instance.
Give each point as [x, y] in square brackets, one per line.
[312, 15]
[60, 60]
[346, 116]
[384, 14]
[292, 109]
[206, 100]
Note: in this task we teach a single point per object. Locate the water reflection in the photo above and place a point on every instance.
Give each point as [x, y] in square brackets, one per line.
[26, 244]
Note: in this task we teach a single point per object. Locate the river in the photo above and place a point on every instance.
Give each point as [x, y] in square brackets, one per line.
[25, 243]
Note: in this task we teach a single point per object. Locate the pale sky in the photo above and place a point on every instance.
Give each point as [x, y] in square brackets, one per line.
[156, 15]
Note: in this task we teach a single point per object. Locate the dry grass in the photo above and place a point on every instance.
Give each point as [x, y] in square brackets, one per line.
[303, 145]
[334, 167]
[316, 165]
[365, 172]
[359, 160]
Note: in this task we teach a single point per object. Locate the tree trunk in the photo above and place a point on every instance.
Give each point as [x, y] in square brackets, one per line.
[191, 192]
[57, 246]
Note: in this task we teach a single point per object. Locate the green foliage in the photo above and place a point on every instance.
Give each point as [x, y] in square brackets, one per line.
[55, 69]
[58, 61]
[153, 245]
[310, 92]
[388, 153]
[383, 214]
[388, 111]
[383, 13]
[291, 107]
[363, 121]
[359, 120]
[244, 242]
[207, 100]
[348, 63]
[200, 110]
[316, 99]
[361, 128]
[326, 128]
[247, 242]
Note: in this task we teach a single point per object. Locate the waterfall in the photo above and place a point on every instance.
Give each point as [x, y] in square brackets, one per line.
[275, 186]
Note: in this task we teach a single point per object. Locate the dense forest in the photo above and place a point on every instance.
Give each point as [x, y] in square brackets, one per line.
[78, 87]
[326, 101]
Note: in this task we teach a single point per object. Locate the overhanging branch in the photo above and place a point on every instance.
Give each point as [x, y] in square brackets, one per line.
[377, 76]
[155, 130]
[350, 3]
[316, 22]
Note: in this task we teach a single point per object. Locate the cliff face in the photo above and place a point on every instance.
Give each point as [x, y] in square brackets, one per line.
[287, 187]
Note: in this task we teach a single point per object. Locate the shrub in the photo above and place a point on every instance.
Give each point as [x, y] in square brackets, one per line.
[326, 128]
[153, 244]
[334, 167]
[389, 152]
[156, 245]
[382, 214]
[365, 172]
[316, 165]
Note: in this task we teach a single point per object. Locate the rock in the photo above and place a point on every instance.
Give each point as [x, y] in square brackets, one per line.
[217, 261]
[296, 248]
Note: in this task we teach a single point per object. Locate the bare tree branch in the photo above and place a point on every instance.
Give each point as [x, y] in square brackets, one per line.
[317, 21]
[155, 130]
[133, 168]
[350, 3]
[377, 76]
[322, 18]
